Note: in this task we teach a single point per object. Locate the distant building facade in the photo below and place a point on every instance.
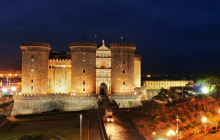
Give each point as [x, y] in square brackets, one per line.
[152, 87]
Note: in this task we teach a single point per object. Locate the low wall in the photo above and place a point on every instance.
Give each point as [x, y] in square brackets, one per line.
[127, 100]
[38, 104]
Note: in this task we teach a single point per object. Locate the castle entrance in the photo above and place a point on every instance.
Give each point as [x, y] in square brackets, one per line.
[103, 89]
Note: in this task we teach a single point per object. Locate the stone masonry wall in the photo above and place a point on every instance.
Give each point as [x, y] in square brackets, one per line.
[83, 74]
[122, 68]
[59, 76]
[35, 59]
[41, 103]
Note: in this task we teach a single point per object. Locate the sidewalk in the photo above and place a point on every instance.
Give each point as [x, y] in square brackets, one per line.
[196, 137]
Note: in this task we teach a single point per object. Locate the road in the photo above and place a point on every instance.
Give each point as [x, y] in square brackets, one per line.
[121, 129]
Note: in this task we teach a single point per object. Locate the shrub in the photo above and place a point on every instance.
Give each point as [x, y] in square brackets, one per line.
[155, 121]
[184, 119]
[198, 107]
[190, 125]
[165, 119]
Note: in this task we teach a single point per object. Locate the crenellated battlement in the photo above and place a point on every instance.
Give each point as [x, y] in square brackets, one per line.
[36, 44]
[123, 44]
[60, 60]
[83, 44]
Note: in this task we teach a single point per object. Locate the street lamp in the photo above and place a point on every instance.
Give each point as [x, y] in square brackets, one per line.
[4, 90]
[205, 90]
[204, 120]
[13, 89]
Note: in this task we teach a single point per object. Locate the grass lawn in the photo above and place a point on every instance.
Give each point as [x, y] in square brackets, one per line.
[67, 128]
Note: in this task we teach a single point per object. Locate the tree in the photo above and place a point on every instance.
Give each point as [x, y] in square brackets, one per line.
[167, 95]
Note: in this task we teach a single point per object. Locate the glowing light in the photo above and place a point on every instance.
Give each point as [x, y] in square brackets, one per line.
[153, 133]
[13, 88]
[19, 93]
[148, 76]
[205, 90]
[4, 90]
[168, 134]
[204, 119]
[135, 93]
[172, 132]
[11, 93]
[219, 111]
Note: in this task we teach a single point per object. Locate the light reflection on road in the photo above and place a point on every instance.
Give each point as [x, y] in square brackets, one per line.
[121, 130]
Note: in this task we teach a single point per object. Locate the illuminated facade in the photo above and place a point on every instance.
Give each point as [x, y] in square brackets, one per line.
[74, 81]
[165, 84]
[88, 69]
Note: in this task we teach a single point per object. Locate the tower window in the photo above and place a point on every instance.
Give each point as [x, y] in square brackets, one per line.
[84, 82]
[123, 71]
[123, 83]
[49, 66]
[32, 58]
[84, 60]
[32, 81]
[32, 70]
[84, 89]
[123, 62]
[84, 71]
[32, 87]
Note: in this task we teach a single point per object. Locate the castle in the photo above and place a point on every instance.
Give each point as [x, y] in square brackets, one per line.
[75, 81]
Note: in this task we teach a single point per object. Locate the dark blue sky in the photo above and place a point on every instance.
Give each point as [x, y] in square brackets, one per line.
[173, 36]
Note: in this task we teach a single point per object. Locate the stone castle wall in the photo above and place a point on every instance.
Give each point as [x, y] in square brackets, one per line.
[122, 67]
[137, 71]
[59, 76]
[83, 73]
[27, 104]
[35, 57]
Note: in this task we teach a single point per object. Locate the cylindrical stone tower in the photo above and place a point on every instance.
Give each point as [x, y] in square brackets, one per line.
[122, 67]
[35, 58]
[83, 73]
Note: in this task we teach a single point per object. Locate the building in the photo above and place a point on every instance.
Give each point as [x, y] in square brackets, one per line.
[152, 87]
[86, 72]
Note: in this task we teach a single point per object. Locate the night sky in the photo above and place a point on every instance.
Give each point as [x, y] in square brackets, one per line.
[172, 36]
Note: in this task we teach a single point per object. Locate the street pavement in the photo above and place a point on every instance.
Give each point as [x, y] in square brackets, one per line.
[121, 129]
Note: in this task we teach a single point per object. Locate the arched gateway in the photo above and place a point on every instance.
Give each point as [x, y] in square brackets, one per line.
[103, 89]
[103, 70]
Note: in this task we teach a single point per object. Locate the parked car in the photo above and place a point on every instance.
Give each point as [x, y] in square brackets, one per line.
[214, 130]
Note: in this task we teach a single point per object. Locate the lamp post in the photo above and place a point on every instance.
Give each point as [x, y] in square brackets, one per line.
[177, 127]
[204, 120]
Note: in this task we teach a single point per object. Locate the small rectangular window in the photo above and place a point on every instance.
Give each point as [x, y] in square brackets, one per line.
[123, 83]
[84, 60]
[84, 89]
[123, 71]
[50, 67]
[32, 70]
[84, 70]
[32, 81]
[84, 82]
[32, 87]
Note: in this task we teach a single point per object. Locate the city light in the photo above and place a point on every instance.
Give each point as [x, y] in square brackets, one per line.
[205, 90]
[4, 90]
[204, 119]
[13, 88]
[171, 133]
[153, 133]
